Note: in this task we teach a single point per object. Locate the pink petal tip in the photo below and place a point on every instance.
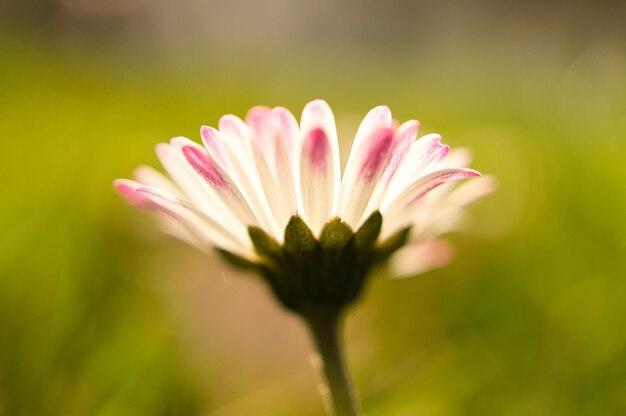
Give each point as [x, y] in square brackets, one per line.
[204, 165]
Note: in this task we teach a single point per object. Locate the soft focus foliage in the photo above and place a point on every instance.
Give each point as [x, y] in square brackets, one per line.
[102, 315]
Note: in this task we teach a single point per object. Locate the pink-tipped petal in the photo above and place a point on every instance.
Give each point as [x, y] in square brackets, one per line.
[316, 179]
[285, 133]
[233, 127]
[182, 219]
[193, 186]
[236, 139]
[444, 210]
[420, 258]
[471, 191]
[215, 201]
[274, 163]
[128, 189]
[263, 133]
[375, 155]
[375, 119]
[435, 179]
[151, 177]
[459, 158]
[213, 142]
[317, 116]
[440, 158]
[403, 138]
[220, 181]
[317, 150]
[287, 126]
[399, 209]
[258, 119]
[206, 167]
[248, 170]
[207, 231]
[370, 160]
[422, 157]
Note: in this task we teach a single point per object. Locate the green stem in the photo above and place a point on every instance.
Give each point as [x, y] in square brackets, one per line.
[325, 327]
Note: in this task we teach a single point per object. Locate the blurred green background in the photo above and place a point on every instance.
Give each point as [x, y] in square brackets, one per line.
[102, 315]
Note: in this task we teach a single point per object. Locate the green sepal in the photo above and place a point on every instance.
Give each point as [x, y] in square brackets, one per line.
[368, 233]
[298, 237]
[236, 260]
[329, 272]
[393, 243]
[264, 245]
[335, 235]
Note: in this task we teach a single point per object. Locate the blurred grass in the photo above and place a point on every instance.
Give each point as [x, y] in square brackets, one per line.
[528, 320]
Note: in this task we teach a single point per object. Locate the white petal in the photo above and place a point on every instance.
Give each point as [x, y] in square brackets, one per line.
[199, 229]
[128, 189]
[204, 228]
[274, 161]
[285, 136]
[218, 180]
[168, 224]
[317, 115]
[471, 191]
[316, 179]
[397, 213]
[375, 120]
[445, 214]
[214, 144]
[203, 196]
[288, 126]
[403, 138]
[459, 158]
[192, 185]
[151, 177]
[231, 147]
[421, 257]
[423, 156]
[369, 162]
[236, 135]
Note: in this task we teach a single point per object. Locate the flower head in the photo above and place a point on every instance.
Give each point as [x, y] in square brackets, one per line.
[268, 194]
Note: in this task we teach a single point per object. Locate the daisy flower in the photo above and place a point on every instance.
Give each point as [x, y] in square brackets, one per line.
[261, 191]
[267, 194]
[265, 170]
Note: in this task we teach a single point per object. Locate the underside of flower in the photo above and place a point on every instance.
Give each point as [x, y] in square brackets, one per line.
[268, 194]
[306, 272]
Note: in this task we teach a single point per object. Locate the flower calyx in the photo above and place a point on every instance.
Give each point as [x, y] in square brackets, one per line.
[330, 271]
